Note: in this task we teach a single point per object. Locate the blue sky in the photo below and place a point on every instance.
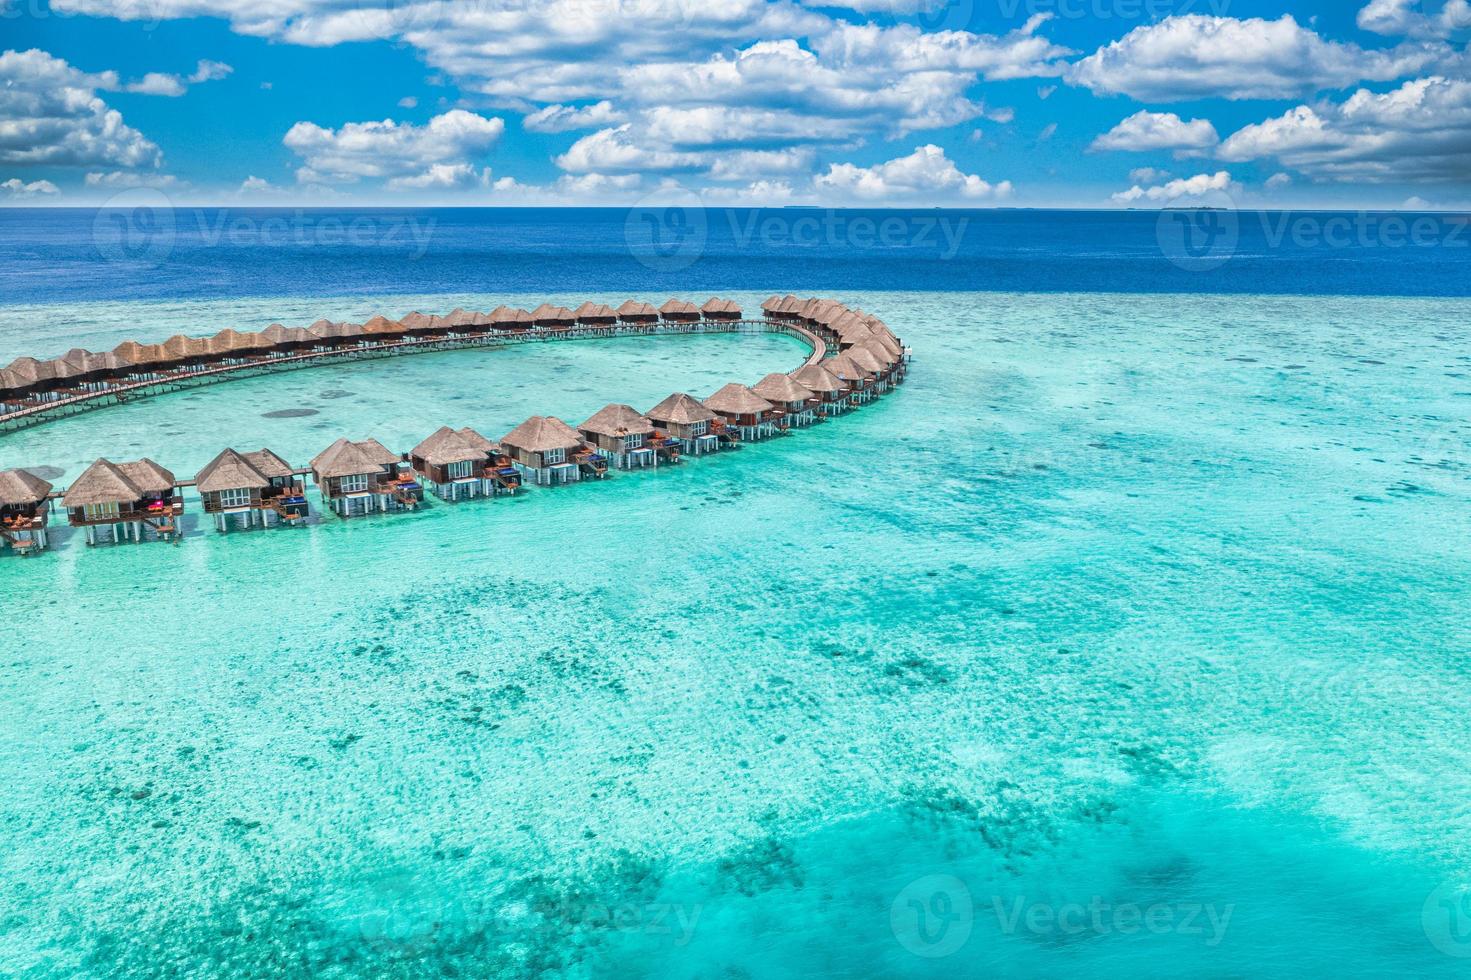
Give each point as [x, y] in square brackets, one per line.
[1077, 103]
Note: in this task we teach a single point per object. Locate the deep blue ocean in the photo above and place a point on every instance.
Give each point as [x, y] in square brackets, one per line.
[136, 249]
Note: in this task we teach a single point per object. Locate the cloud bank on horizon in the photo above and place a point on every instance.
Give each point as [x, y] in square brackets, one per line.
[1141, 103]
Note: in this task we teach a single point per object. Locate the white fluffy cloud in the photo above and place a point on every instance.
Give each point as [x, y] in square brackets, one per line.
[610, 151]
[17, 189]
[1187, 187]
[173, 86]
[1197, 56]
[1146, 130]
[127, 179]
[1420, 131]
[443, 176]
[50, 113]
[387, 149]
[1411, 17]
[925, 175]
[562, 118]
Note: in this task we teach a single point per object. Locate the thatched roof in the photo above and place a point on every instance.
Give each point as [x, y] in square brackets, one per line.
[416, 321]
[21, 489]
[105, 482]
[230, 471]
[772, 304]
[846, 368]
[865, 359]
[881, 355]
[140, 354]
[382, 325]
[458, 317]
[679, 307]
[107, 361]
[478, 441]
[344, 458]
[717, 305]
[510, 316]
[447, 446]
[781, 388]
[618, 420]
[9, 381]
[72, 364]
[327, 330]
[595, 313]
[633, 308]
[818, 378]
[269, 464]
[547, 313]
[229, 341]
[737, 399]
[542, 432]
[31, 371]
[680, 409]
[180, 348]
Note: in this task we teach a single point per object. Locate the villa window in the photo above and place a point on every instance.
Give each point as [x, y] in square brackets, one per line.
[553, 457]
[633, 441]
[234, 498]
[698, 428]
[460, 470]
[93, 512]
[356, 483]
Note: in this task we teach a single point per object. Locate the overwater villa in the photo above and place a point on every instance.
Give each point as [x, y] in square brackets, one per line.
[857, 378]
[747, 415]
[254, 489]
[548, 451]
[633, 311]
[874, 365]
[125, 499]
[797, 403]
[716, 308]
[24, 510]
[682, 419]
[832, 393]
[625, 437]
[461, 464]
[595, 315]
[358, 478]
[679, 311]
[555, 317]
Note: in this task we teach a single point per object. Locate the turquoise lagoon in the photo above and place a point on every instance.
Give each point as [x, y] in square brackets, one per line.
[1130, 636]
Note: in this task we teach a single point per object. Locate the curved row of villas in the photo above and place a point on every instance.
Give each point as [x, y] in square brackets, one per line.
[27, 381]
[133, 500]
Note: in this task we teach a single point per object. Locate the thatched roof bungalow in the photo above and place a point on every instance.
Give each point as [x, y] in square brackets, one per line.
[134, 496]
[746, 413]
[623, 434]
[797, 403]
[679, 311]
[23, 510]
[255, 487]
[633, 311]
[360, 477]
[716, 308]
[547, 315]
[452, 463]
[595, 314]
[547, 451]
[831, 390]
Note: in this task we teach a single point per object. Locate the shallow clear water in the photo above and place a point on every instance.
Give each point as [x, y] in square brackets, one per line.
[1130, 636]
